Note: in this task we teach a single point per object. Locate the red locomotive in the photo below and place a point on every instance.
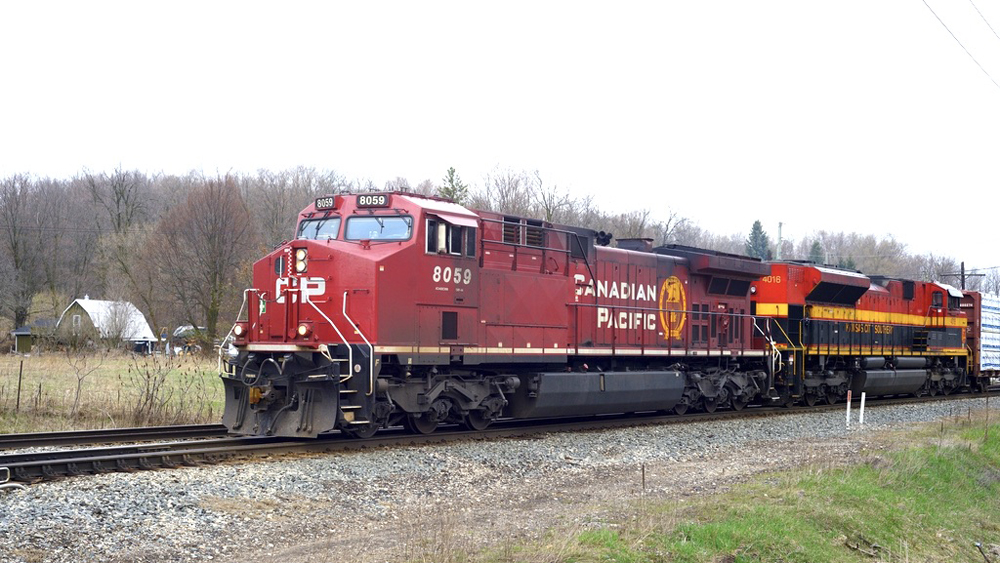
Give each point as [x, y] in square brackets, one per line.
[395, 308]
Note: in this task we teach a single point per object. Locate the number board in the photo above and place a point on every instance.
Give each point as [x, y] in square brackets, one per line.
[323, 203]
[373, 200]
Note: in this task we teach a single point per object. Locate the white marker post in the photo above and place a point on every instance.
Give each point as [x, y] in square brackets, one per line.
[861, 419]
[848, 408]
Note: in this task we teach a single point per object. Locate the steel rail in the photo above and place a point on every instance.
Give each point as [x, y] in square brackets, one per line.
[109, 436]
[94, 461]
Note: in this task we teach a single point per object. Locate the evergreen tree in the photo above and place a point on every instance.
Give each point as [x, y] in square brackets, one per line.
[847, 263]
[816, 253]
[758, 243]
[453, 187]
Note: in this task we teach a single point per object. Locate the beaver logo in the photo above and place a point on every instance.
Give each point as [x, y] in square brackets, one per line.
[673, 303]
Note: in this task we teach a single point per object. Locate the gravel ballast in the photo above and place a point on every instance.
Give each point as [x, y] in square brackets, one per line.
[403, 503]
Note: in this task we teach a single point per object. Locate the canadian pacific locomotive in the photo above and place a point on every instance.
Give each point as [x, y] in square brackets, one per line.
[395, 308]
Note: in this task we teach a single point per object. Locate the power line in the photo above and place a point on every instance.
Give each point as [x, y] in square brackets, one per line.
[960, 43]
[984, 19]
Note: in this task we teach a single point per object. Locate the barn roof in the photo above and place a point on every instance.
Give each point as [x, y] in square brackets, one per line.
[111, 317]
[39, 324]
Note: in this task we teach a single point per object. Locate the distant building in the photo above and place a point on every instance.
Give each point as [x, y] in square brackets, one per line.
[25, 336]
[105, 320]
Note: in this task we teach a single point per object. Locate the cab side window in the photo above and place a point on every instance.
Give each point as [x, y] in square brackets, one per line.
[445, 238]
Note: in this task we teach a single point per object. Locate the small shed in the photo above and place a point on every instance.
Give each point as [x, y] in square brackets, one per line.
[25, 336]
[111, 320]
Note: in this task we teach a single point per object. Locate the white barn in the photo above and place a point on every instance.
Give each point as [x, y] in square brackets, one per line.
[109, 319]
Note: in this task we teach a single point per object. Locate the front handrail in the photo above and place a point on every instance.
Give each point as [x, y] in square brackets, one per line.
[773, 348]
[229, 335]
[371, 349]
[350, 351]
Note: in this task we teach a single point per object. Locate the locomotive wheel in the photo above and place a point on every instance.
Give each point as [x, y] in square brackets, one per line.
[681, 408]
[362, 431]
[832, 397]
[710, 405]
[421, 424]
[810, 399]
[737, 400]
[477, 420]
[739, 403]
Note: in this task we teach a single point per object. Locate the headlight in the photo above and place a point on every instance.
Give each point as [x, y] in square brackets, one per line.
[300, 260]
[304, 330]
[238, 330]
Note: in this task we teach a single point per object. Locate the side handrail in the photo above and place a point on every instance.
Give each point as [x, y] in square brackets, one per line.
[773, 347]
[371, 349]
[350, 351]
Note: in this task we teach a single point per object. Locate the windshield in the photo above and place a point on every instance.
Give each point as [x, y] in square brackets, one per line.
[319, 228]
[394, 227]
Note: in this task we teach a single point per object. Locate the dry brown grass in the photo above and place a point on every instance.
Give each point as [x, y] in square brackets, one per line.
[81, 390]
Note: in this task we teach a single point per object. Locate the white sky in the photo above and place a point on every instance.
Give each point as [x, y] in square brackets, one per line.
[851, 115]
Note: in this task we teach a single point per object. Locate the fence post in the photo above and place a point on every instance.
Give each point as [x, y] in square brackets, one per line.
[20, 372]
[848, 408]
[861, 419]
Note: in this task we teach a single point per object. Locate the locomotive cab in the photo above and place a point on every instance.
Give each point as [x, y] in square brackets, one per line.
[323, 302]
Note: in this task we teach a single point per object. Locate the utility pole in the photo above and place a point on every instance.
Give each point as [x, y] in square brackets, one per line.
[962, 275]
[777, 254]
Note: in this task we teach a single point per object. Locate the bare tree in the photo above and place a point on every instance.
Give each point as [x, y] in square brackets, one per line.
[631, 225]
[666, 232]
[505, 191]
[273, 202]
[882, 255]
[83, 365]
[211, 241]
[550, 202]
[66, 241]
[399, 184]
[122, 194]
[276, 198]
[21, 230]
[426, 187]
[583, 212]
[124, 199]
[991, 282]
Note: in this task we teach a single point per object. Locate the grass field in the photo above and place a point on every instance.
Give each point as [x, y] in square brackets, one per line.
[72, 390]
[932, 498]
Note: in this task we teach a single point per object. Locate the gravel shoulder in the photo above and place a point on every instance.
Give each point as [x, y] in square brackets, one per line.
[420, 503]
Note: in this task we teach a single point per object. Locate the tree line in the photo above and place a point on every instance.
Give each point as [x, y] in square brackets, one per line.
[181, 247]
[178, 247]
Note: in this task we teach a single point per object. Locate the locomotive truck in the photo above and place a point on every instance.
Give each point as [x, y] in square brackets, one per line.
[393, 308]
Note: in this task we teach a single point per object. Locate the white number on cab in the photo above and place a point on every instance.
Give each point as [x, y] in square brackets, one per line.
[460, 276]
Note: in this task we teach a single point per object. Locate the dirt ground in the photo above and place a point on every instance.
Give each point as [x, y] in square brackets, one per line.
[503, 513]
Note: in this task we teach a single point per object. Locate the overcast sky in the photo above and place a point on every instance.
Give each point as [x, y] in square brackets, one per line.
[863, 116]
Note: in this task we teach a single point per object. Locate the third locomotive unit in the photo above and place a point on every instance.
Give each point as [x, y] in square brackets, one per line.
[395, 308]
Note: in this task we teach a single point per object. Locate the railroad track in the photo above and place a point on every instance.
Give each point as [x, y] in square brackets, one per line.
[41, 466]
[109, 436]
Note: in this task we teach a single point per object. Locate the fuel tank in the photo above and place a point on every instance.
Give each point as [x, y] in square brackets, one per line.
[889, 382]
[576, 394]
